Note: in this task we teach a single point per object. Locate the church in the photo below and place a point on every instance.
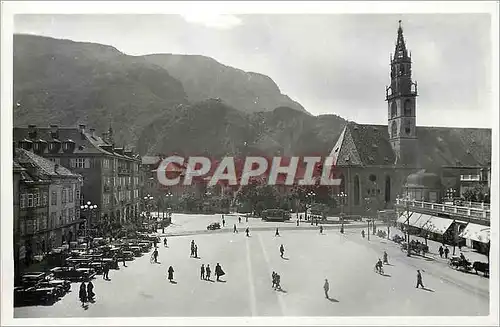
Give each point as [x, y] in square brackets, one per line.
[378, 163]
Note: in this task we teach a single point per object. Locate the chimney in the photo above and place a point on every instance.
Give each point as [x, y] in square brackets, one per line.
[81, 127]
[54, 131]
[92, 131]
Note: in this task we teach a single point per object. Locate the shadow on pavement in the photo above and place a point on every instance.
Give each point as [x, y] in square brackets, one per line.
[332, 300]
[221, 281]
[281, 290]
[173, 282]
[427, 289]
[285, 258]
[385, 275]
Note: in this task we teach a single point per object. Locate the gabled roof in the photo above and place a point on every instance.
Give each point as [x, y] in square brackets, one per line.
[43, 167]
[88, 143]
[366, 145]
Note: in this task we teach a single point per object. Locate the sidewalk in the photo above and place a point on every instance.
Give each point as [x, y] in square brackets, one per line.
[471, 254]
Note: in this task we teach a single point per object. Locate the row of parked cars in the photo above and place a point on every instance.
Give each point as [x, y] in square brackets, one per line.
[79, 264]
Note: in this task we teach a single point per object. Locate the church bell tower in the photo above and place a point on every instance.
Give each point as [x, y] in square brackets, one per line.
[401, 99]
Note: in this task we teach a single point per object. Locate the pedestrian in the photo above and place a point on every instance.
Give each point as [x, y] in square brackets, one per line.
[300, 217]
[170, 273]
[247, 231]
[278, 281]
[321, 229]
[385, 258]
[446, 252]
[165, 242]
[246, 219]
[419, 279]
[106, 272]
[83, 293]
[223, 221]
[441, 251]
[326, 287]
[208, 271]
[282, 250]
[202, 271]
[234, 229]
[273, 277]
[277, 232]
[155, 255]
[90, 291]
[196, 251]
[124, 261]
[192, 248]
[239, 219]
[363, 233]
[297, 223]
[219, 272]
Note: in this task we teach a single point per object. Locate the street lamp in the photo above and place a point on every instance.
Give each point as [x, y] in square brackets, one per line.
[367, 201]
[89, 208]
[309, 197]
[147, 202]
[342, 196]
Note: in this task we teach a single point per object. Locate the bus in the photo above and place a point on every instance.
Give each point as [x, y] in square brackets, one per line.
[275, 215]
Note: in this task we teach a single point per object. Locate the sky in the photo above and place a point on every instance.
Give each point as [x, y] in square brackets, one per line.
[329, 63]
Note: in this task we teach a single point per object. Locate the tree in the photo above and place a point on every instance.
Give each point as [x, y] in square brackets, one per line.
[477, 193]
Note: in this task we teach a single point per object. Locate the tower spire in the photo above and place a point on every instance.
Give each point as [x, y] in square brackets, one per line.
[400, 44]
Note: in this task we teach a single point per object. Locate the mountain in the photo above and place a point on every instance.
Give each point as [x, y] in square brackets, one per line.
[162, 103]
[203, 78]
[65, 82]
[213, 128]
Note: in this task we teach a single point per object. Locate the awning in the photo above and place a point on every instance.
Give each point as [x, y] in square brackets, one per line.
[414, 218]
[438, 225]
[477, 233]
[422, 221]
[403, 218]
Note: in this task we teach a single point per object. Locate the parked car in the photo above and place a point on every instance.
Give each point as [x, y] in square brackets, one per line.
[73, 273]
[213, 226]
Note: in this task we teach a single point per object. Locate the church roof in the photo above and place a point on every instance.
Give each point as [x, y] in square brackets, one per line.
[368, 145]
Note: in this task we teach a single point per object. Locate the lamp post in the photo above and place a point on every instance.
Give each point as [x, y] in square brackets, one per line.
[88, 208]
[407, 205]
[342, 196]
[367, 201]
[147, 203]
[169, 199]
[309, 197]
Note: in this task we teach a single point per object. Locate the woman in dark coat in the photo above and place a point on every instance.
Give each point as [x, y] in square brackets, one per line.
[90, 291]
[83, 293]
[218, 271]
[208, 271]
[170, 273]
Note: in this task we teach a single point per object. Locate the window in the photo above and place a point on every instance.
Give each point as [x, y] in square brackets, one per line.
[56, 160]
[45, 199]
[22, 202]
[64, 216]
[36, 199]
[52, 222]
[408, 128]
[79, 163]
[71, 214]
[30, 200]
[77, 195]
[43, 221]
[394, 109]
[63, 195]
[70, 192]
[394, 128]
[356, 190]
[54, 198]
[407, 108]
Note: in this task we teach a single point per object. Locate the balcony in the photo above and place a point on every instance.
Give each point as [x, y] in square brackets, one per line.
[468, 210]
[123, 171]
[470, 178]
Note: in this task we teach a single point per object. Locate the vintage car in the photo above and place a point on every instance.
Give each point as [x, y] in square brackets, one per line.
[73, 273]
[111, 262]
[136, 250]
[213, 226]
[35, 295]
[125, 255]
[42, 279]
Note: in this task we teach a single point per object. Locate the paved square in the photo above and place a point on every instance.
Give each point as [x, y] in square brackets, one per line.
[141, 289]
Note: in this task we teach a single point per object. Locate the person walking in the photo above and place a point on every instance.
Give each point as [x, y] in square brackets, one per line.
[239, 219]
[223, 221]
[155, 255]
[277, 232]
[419, 280]
[202, 271]
[363, 233]
[247, 231]
[83, 293]
[446, 252]
[246, 219]
[105, 274]
[282, 250]
[297, 223]
[234, 229]
[278, 282]
[441, 251]
[385, 258]
[326, 288]
[90, 291]
[170, 274]
[273, 277]
[219, 272]
[321, 229]
[196, 251]
[208, 271]
[165, 242]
